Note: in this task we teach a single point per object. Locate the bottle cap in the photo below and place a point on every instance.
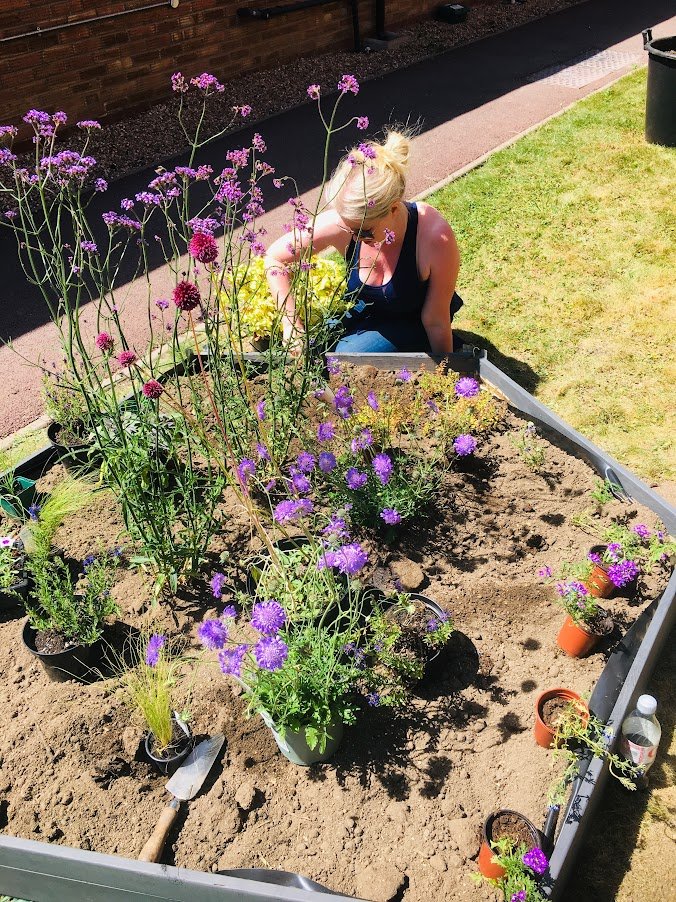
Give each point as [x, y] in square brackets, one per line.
[647, 705]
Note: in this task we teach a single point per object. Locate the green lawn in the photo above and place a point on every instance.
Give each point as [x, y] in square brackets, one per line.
[568, 240]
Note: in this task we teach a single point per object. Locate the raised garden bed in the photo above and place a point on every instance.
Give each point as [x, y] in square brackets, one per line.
[400, 806]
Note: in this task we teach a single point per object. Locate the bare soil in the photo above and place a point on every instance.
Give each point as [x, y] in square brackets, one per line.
[397, 813]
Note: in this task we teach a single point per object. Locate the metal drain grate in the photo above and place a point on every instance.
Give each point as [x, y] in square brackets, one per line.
[582, 70]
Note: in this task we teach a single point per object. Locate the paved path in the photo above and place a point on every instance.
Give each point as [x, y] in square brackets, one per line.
[465, 102]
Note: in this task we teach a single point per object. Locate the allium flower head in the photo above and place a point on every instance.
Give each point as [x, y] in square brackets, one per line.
[467, 387]
[217, 582]
[348, 83]
[464, 445]
[105, 342]
[126, 358]
[325, 432]
[212, 633]
[152, 389]
[153, 649]
[327, 461]
[270, 653]
[268, 617]
[230, 660]
[391, 516]
[186, 296]
[203, 247]
[382, 467]
[536, 861]
[355, 479]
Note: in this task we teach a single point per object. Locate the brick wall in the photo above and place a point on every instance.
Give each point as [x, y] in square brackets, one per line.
[107, 67]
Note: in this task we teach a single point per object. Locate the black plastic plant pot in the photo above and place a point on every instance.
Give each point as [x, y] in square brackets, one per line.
[169, 759]
[660, 108]
[81, 662]
[18, 591]
[262, 560]
[23, 496]
[436, 612]
[74, 457]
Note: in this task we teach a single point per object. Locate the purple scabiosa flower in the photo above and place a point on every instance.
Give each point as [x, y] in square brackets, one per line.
[126, 358]
[343, 402]
[391, 516]
[262, 452]
[291, 509]
[245, 470]
[313, 92]
[641, 531]
[230, 660]
[105, 342]
[373, 699]
[536, 861]
[403, 375]
[305, 462]
[325, 432]
[336, 527]
[355, 479]
[467, 387]
[213, 634]
[327, 461]
[382, 467]
[186, 296]
[545, 572]
[203, 247]
[372, 401]
[363, 440]
[300, 483]
[362, 123]
[623, 572]
[464, 445]
[333, 366]
[152, 389]
[229, 612]
[268, 617]
[217, 582]
[349, 559]
[260, 409]
[270, 653]
[153, 649]
[207, 83]
[348, 83]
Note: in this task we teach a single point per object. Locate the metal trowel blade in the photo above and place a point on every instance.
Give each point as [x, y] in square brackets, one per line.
[188, 779]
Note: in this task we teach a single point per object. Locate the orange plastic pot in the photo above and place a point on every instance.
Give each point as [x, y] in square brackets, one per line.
[544, 734]
[599, 584]
[487, 866]
[576, 641]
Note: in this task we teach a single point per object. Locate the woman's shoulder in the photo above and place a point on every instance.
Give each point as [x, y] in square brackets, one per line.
[431, 224]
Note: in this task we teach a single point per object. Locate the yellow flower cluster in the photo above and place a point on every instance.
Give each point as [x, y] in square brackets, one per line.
[323, 286]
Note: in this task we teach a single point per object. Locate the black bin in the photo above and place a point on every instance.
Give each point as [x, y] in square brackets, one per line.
[660, 109]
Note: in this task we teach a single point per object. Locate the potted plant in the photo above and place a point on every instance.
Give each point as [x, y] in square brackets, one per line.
[507, 838]
[70, 432]
[299, 680]
[577, 731]
[149, 686]
[13, 577]
[586, 621]
[66, 617]
[17, 494]
[549, 706]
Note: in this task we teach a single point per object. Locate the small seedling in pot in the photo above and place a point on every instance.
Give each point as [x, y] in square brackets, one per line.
[530, 447]
[11, 566]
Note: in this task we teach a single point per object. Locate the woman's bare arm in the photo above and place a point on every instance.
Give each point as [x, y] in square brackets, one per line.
[443, 256]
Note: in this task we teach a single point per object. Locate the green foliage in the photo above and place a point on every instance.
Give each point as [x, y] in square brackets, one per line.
[518, 878]
[11, 561]
[66, 498]
[530, 448]
[75, 608]
[601, 493]
[65, 403]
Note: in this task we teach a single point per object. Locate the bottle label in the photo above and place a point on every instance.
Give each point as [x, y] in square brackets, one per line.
[642, 755]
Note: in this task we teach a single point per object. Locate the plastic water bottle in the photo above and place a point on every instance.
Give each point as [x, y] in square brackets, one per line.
[641, 733]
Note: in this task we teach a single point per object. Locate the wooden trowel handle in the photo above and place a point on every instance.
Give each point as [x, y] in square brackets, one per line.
[152, 851]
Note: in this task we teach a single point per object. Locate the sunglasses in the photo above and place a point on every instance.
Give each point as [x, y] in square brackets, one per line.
[361, 234]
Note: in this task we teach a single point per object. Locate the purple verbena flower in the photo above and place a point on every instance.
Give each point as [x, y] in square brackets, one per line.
[391, 516]
[270, 653]
[467, 387]
[313, 92]
[362, 123]
[464, 445]
[268, 617]
[519, 897]
[230, 660]
[536, 861]
[594, 558]
[382, 467]
[545, 572]
[355, 479]
[614, 551]
[212, 633]
[373, 699]
[623, 572]
[348, 83]
[153, 649]
[641, 531]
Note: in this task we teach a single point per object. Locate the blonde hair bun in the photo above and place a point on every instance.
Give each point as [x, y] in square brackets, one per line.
[367, 183]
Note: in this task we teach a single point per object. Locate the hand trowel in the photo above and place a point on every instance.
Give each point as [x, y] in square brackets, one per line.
[184, 785]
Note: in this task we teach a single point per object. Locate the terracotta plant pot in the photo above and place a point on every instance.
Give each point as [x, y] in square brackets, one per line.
[544, 733]
[599, 584]
[577, 641]
[523, 831]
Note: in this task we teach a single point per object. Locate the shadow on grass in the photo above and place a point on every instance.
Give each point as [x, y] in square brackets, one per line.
[516, 369]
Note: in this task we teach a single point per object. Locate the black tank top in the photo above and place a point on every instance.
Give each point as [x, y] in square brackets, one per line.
[400, 298]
